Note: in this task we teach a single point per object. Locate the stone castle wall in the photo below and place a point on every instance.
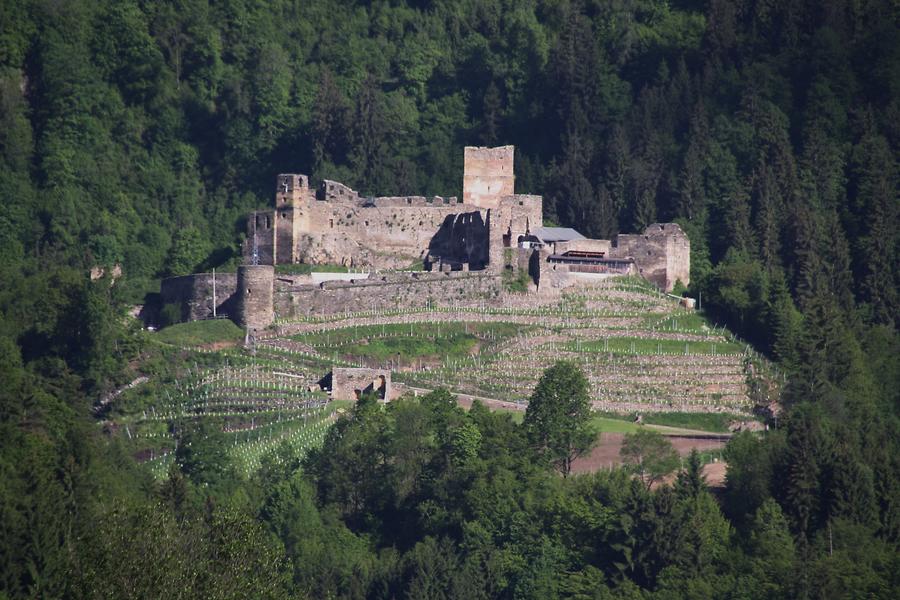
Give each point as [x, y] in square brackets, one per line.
[194, 293]
[254, 296]
[586, 245]
[661, 254]
[514, 216]
[466, 245]
[390, 232]
[384, 234]
[407, 290]
[460, 243]
[261, 238]
[336, 225]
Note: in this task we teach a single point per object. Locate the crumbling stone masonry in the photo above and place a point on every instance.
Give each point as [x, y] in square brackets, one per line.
[662, 254]
[198, 293]
[254, 296]
[349, 383]
[336, 225]
[386, 291]
[488, 176]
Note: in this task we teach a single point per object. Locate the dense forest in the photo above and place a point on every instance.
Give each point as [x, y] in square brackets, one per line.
[138, 132]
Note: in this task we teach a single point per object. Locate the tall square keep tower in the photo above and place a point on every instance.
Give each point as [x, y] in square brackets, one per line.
[488, 175]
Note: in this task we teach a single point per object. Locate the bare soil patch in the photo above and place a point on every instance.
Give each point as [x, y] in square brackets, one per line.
[605, 455]
[715, 474]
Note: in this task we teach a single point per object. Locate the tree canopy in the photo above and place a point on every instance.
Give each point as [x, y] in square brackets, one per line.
[557, 421]
[650, 455]
[140, 133]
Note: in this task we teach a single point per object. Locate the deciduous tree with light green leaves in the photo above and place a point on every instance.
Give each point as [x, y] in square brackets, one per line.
[650, 455]
[557, 421]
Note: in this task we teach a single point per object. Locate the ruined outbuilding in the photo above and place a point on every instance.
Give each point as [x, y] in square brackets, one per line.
[350, 383]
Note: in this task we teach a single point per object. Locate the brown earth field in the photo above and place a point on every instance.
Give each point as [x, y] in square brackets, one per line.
[606, 455]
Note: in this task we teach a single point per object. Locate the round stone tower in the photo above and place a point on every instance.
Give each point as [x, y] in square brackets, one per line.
[255, 289]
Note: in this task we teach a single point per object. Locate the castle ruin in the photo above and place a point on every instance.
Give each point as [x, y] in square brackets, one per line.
[336, 225]
[464, 248]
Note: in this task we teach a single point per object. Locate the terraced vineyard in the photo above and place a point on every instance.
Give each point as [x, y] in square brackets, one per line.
[640, 351]
[258, 403]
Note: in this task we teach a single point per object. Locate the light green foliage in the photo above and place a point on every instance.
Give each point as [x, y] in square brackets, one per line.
[612, 425]
[650, 455]
[557, 421]
[409, 344]
[715, 422]
[650, 346]
[187, 252]
[202, 454]
[516, 281]
[749, 475]
[305, 269]
[411, 349]
[324, 554]
[465, 443]
[224, 555]
[773, 551]
[199, 333]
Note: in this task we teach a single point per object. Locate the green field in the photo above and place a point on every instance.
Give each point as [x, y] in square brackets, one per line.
[603, 424]
[305, 269]
[714, 422]
[408, 343]
[406, 349]
[612, 425]
[347, 335]
[634, 345]
[711, 422]
[681, 320]
[198, 333]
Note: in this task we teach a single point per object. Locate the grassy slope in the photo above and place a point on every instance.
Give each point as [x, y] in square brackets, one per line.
[404, 349]
[198, 333]
[607, 424]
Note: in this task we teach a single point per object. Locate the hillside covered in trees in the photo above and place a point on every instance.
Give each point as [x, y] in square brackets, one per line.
[139, 133]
